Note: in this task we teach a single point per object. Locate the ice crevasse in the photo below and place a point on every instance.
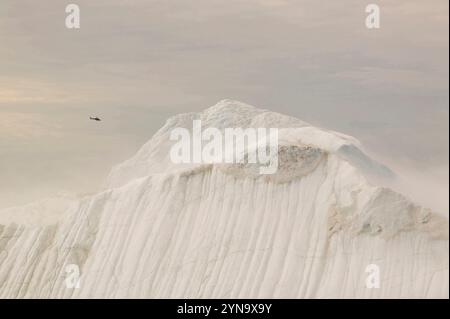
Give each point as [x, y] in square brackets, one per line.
[315, 229]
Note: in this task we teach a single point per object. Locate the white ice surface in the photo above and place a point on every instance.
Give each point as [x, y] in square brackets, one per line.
[209, 231]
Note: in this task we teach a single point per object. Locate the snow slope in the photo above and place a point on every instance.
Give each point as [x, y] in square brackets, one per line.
[219, 231]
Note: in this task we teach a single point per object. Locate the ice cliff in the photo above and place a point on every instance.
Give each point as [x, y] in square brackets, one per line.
[219, 231]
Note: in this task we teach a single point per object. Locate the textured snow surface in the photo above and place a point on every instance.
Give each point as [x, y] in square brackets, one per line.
[221, 231]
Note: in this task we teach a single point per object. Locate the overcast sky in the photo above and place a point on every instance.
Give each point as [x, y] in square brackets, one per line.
[135, 63]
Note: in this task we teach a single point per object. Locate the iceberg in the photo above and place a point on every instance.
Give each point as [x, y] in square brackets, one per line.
[315, 229]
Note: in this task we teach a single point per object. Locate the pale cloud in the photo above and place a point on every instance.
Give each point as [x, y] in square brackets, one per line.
[15, 126]
[13, 90]
[392, 79]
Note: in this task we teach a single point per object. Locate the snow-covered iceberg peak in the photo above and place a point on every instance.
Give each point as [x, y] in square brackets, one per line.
[294, 134]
